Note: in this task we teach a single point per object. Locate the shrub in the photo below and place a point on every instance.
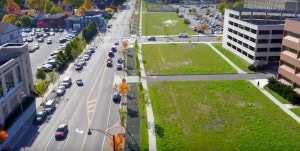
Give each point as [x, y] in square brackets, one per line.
[283, 90]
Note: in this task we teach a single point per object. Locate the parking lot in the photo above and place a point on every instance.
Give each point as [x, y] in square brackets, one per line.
[212, 19]
[41, 55]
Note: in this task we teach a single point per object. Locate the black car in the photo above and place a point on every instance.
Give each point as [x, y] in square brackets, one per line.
[116, 97]
[40, 117]
[61, 132]
[63, 40]
[111, 54]
[79, 82]
[78, 67]
[151, 39]
[109, 64]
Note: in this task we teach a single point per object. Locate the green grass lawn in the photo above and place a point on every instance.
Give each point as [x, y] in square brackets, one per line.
[144, 6]
[219, 116]
[242, 64]
[144, 142]
[165, 59]
[296, 111]
[277, 96]
[164, 24]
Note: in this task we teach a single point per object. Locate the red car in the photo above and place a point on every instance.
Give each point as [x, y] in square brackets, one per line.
[61, 132]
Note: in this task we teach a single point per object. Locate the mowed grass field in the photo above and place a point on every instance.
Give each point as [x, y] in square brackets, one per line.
[168, 59]
[163, 24]
[219, 116]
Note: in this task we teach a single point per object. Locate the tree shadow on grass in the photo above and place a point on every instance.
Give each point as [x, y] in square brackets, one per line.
[159, 131]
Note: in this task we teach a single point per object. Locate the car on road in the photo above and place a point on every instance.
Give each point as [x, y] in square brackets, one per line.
[111, 54]
[29, 39]
[33, 48]
[120, 60]
[61, 90]
[109, 63]
[50, 105]
[61, 132]
[37, 45]
[116, 97]
[151, 39]
[78, 67]
[67, 82]
[183, 35]
[49, 41]
[119, 67]
[114, 48]
[52, 33]
[79, 82]
[40, 116]
[116, 42]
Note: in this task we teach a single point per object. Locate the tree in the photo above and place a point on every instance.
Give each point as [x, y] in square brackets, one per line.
[219, 38]
[61, 58]
[117, 142]
[9, 18]
[25, 21]
[207, 10]
[40, 88]
[202, 27]
[30, 12]
[66, 3]
[77, 3]
[109, 10]
[177, 10]
[68, 50]
[222, 6]
[12, 3]
[40, 74]
[48, 6]
[238, 5]
[3, 136]
[123, 88]
[52, 77]
[123, 116]
[87, 4]
[80, 10]
[55, 10]
[36, 4]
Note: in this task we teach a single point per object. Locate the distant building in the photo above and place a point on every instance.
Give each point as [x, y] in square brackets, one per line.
[35, 18]
[53, 21]
[16, 77]
[80, 21]
[289, 65]
[9, 33]
[290, 5]
[254, 34]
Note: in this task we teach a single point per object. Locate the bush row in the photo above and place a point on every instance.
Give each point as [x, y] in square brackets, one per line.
[284, 91]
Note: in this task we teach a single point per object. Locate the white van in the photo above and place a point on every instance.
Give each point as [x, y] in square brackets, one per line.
[67, 82]
[49, 106]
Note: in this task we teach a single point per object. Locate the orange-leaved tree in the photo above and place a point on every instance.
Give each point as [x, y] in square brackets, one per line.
[202, 27]
[117, 142]
[3, 136]
[123, 88]
[66, 3]
[87, 4]
[31, 12]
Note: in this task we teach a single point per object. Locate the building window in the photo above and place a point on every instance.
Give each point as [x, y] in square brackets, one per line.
[261, 50]
[231, 15]
[263, 32]
[277, 32]
[246, 37]
[247, 28]
[276, 40]
[230, 30]
[251, 48]
[18, 72]
[291, 34]
[252, 39]
[230, 23]
[9, 80]
[1, 90]
[253, 31]
[262, 41]
[275, 49]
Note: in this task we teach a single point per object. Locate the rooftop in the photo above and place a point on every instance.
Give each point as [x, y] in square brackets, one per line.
[263, 22]
[294, 19]
[264, 10]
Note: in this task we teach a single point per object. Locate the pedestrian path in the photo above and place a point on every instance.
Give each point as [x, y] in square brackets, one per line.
[260, 84]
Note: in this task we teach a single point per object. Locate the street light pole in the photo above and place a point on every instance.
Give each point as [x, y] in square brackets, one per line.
[110, 136]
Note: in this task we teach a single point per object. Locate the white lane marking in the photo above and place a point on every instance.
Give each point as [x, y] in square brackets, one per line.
[79, 131]
[62, 118]
[66, 143]
[48, 142]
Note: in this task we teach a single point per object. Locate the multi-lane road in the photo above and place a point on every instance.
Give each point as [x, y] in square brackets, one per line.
[84, 107]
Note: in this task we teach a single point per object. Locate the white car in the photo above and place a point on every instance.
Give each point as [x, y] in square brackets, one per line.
[49, 41]
[81, 61]
[86, 57]
[37, 45]
[61, 90]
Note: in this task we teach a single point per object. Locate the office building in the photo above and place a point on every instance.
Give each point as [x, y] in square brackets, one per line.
[290, 5]
[289, 65]
[9, 33]
[16, 77]
[254, 34]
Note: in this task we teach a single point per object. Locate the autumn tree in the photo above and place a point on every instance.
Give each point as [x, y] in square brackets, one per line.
[66, 3]
[9, 18]
[221, 7]
[238, 5]
[3, 136]
[87, 4]
[48, 6]
[109, 10]
[55, 10]
[80, 10]
[36, 4]
[31, 12]
[207, 10]
[117, 142]
[202, 27]
[12, 3]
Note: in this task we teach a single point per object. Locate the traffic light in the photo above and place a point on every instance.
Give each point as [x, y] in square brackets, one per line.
[3, 136]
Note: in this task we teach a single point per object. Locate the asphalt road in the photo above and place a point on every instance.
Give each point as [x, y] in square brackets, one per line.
[84, 107]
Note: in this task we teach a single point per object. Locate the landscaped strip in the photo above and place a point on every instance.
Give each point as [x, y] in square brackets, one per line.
[296, 111]
[164, 24]
[144, 6]
[219, 115]
[189, 58]
[242, 64]
[277, 96]
[144, 142]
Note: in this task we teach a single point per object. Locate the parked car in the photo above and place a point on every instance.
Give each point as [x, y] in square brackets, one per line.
[49, 41]
[183, 35]
[67, 82]
[78, 67]
[41, 39]
[116, 97]
[109, 63]
[40, 116]
[111, 54]
[61, 132]
[86, 57]
[119, 66]
[29, 39]
[120, 60]
[61, 90]
[116, 42]
[63, 40]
